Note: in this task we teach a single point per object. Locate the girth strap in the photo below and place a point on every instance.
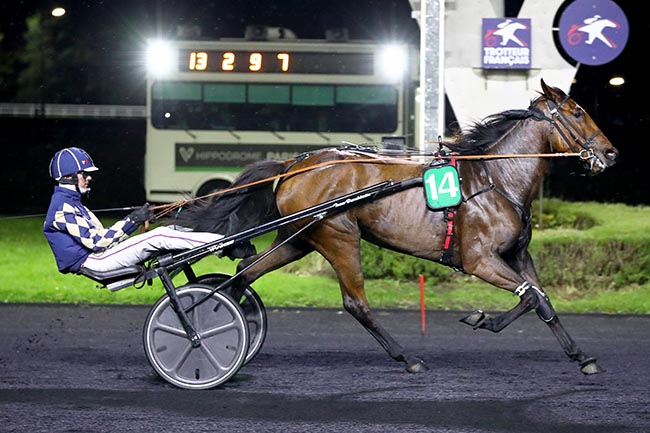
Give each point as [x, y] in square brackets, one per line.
[448, 246]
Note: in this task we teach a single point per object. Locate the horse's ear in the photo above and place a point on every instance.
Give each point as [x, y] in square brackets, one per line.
[552, 93]
[544, 86]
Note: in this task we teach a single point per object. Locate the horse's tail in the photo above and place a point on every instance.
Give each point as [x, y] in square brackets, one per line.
[238, 210]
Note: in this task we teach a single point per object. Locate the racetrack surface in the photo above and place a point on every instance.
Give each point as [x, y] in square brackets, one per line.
[83, 369]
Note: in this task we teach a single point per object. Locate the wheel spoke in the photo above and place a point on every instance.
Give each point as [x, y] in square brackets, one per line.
[180, 360]
[226, 327]
[213, 360]
[179, 332]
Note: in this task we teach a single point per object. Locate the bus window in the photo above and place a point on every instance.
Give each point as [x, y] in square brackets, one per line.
[275, 107]
[232, 93]
[176, 91]
[366, 108]
[268, 94]
[313, 95]
[175, 104]
[374, 95]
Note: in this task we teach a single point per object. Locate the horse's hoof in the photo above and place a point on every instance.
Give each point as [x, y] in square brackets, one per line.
[416, 367]
[475, 319]
[590, 366]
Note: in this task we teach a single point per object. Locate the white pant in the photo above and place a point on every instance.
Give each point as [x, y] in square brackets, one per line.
[137, 249]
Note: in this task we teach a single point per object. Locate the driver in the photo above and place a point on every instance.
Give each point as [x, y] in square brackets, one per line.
[79, 240]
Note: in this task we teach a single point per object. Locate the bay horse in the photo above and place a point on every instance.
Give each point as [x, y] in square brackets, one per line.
[491, 227]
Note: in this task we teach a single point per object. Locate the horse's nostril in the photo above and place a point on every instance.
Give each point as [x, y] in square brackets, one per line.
[612, 154]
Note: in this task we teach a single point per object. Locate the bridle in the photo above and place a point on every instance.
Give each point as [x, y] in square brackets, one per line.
[558, 117]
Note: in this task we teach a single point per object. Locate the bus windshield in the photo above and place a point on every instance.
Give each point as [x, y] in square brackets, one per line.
[274, 107]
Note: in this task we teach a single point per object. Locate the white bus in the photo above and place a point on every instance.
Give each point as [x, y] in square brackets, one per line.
[224, 104]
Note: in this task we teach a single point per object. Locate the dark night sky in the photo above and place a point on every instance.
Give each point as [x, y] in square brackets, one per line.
[119, 28]
[368, 19]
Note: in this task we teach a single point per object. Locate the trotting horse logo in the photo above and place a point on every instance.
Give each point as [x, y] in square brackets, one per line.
[506, 30]
[593, 32]
[593, 27]
[506, 43]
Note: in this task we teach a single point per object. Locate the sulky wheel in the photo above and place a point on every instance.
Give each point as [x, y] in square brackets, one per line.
[254, 311]
[223, 332]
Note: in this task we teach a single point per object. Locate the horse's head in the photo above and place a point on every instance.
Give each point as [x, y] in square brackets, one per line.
[574, 131]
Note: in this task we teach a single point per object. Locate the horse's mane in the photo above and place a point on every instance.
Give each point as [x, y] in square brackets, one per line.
[484, 134]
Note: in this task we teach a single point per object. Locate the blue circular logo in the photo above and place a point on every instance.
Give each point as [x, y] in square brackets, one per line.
[593, 32]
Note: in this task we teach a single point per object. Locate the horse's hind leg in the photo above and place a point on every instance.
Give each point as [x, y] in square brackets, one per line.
[285, 254]
[345, 257]
[359, 309]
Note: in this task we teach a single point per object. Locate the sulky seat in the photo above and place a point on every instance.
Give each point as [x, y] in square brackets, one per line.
[116, 279]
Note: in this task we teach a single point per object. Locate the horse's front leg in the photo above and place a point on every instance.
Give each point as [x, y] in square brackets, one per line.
[492, 268]
[523, 263]
[480, 320]
[530, 297]
[546, 312]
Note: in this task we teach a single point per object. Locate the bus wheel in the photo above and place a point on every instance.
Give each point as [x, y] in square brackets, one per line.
[209, 188]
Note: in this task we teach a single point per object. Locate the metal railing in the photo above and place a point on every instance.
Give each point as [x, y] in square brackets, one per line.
[72, 111]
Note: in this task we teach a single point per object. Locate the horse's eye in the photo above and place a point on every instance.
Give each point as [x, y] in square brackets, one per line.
[577, 114]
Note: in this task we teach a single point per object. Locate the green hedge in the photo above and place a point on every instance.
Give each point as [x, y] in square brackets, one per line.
[592, 264]
[585, 265]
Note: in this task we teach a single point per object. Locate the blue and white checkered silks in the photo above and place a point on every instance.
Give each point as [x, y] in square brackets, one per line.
[83, 225]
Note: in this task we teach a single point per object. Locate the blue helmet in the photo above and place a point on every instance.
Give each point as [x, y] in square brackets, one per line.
[69, 161]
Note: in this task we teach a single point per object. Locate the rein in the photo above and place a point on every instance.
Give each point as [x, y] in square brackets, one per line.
[167, 208]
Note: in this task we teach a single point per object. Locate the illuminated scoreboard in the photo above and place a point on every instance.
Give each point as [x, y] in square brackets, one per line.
[276, 62]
